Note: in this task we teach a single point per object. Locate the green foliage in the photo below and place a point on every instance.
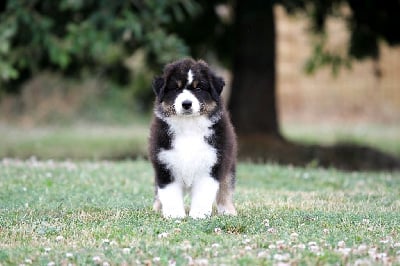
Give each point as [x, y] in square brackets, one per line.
[76, 36]
[320, 58]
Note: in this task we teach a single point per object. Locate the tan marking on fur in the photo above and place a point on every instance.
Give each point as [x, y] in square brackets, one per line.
[208, 108]
[225, 197]
[195, 83]
[179, 83]
[167, 109]
[156, 204]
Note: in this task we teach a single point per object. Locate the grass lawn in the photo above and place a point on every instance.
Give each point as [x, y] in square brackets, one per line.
[99, 141]
[84, 141]
[57, 213]
[380, 136]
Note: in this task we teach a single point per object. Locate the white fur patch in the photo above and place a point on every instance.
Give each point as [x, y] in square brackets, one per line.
[191, 157]
[171, 198]
[186, 95]
[189, 77]
[204, 191]
[190, 161]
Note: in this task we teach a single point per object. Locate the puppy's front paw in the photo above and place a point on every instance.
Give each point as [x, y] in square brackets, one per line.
[173, 213]
[200, 214]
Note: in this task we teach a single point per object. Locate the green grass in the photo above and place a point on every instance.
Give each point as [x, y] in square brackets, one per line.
[99, 141]
[55, 213]
[380, 136]
[76, 142]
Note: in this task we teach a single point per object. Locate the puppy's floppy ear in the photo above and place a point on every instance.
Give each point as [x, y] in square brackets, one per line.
[158, 87]
[217, 84]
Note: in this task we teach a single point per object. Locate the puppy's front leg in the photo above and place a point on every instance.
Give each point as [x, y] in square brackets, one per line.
[171, 198]
[204, 191]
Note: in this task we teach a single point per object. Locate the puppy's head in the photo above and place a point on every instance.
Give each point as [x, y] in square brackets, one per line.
[187, 88]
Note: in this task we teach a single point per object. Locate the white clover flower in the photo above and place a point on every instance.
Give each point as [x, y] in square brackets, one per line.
[280, 244]
[96, 259]
[344, 251]
[380, 256]
[186, 245]
[387, 240]
[201, 262]
[362, 262]
[190, 259]
[362, 248]
[163, 235]
[215, 245]
[372, 252]
[282, 257]
[294, 236]
[246, 241]
[301, 246]
[263, 254]
[312, 243]
[266, 222]
[341, 244]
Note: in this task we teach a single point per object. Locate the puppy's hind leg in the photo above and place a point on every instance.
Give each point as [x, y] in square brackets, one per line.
[157, 204]
[225, 197]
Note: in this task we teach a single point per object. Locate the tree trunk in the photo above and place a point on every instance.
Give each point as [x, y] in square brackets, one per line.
[253, 103]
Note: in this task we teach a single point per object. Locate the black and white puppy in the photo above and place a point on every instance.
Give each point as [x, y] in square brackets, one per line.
[192, 142]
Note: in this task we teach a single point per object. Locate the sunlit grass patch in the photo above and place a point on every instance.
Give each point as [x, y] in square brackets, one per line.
[56, 213]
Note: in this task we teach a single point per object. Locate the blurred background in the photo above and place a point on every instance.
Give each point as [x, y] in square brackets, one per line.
[308, 82]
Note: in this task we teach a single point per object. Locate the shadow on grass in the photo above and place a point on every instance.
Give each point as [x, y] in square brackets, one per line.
[346, 156]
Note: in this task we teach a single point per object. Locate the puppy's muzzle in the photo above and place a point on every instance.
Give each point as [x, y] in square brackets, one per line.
[187, 105]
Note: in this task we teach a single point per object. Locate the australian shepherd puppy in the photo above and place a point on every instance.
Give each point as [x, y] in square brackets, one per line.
[192, 142]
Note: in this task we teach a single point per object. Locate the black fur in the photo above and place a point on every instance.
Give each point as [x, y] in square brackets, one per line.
[206, 87]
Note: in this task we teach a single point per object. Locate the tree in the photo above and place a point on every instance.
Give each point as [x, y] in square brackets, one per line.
[250, 41]
[253, 103]
[76, 37]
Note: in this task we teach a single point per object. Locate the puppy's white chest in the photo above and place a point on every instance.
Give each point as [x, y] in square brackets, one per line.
[190, 157]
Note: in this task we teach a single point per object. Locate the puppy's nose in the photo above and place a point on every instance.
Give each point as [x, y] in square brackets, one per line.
[187, 104]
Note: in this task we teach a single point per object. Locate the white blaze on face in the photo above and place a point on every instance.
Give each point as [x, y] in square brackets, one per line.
[184, 97]
[189, 77]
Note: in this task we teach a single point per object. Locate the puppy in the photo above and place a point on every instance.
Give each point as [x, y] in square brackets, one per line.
[192, 142]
